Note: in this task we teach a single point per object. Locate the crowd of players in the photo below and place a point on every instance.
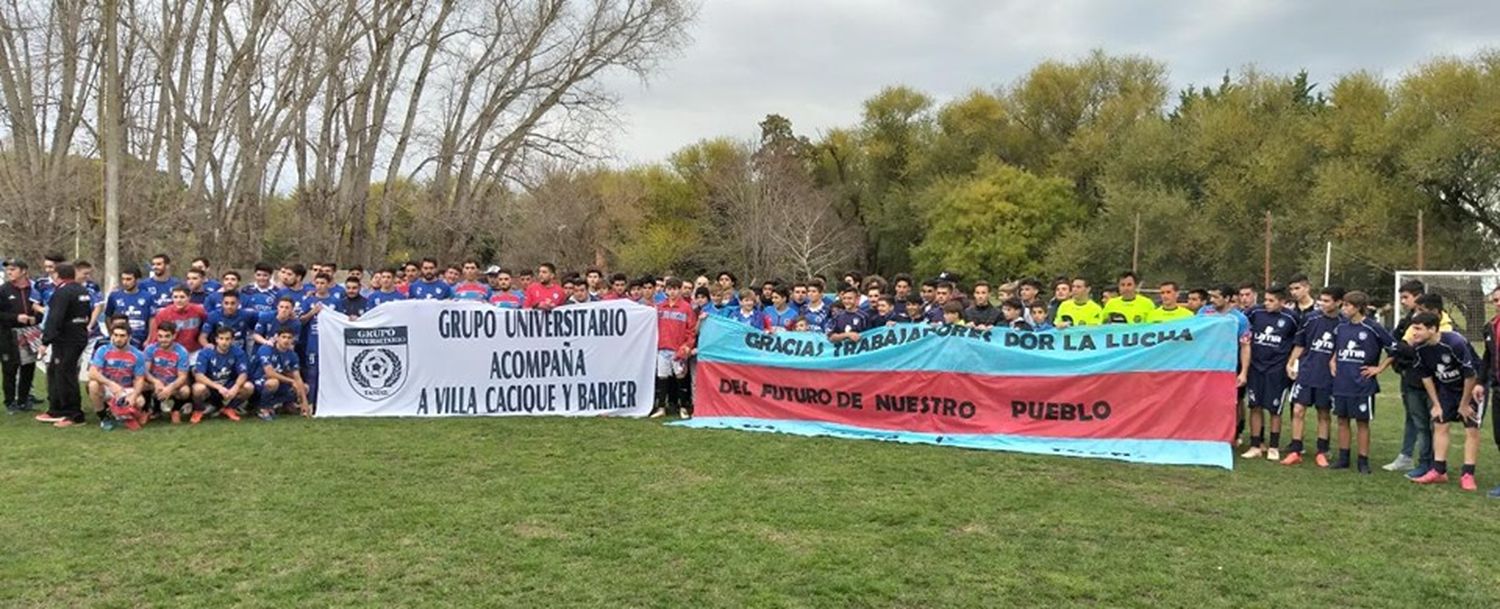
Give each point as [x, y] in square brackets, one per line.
[202, 345]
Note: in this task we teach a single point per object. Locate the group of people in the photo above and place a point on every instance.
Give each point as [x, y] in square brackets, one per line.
[228, 345]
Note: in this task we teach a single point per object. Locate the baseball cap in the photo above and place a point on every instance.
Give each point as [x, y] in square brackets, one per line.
[493, 270]
[15, 262]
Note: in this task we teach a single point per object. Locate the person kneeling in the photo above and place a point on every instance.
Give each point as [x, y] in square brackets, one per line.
[167, 380]
[278, 380]
[117, 381]
[223, 379]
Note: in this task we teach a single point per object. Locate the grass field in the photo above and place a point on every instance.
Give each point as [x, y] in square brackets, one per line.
[631, 513]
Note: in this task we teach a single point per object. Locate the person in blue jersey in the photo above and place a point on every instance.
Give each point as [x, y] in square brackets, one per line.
[1449, 375]
[215, 298]
[201, 265]
[271, 323]
[847, 324]
[134, 304]
[221, 378]
[167, 374]
[1357, 342]
[159, 285]
[780, 316]
[322, 297]
[277, 377]
[813, 308]
[384, 282]
[429, 286]
[197, 293]
[42, 288]
[727, 281]
[800, 290]
[1222, 301]
[1040, 318]
[260, 296]
[230, 316]
[1272, 329]
[747, 312]
[1308, 367]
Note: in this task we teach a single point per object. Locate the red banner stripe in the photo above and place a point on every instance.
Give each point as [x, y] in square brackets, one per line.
[1135, 405]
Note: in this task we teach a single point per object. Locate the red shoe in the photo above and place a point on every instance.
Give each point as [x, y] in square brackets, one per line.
[1431, 477]
[133, 424]
[1466, 482]
[46, 418]
[1322, 460]
[1292, 459]
[176, 417]
[196, 418]
[230, 414]
[142, 418]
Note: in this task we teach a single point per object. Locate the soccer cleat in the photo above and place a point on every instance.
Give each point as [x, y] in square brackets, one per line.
[1431, 477]
[1322, 460]
[64, 423]
[229, 413]
[107, 424]
[1467, 483]
[1418, 471]
[1254, 453]
[1401, 462]
[267, 415]
[1292, 459]
[1364, 468]
[658, 413]
[1273, 454]
[1340, 464]
[683, 414]
[46, 418]
[176, 417]
[1495, 493]
[196, 418]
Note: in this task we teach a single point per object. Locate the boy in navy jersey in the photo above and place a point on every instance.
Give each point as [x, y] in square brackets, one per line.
[133, 303]
[1302, 303]
[1311, 350]
[814, 309]
[1356, 362]
[222, 378]
[848, 323]
[1272, 330]
[885, 313]
[1446, 366]
[277, 377]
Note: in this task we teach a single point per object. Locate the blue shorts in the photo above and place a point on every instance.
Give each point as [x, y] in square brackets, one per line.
[1320, 398]
[1265, 389]
[1360, 408]
[281, 395]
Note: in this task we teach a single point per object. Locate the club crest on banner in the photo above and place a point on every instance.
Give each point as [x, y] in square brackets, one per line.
[378, 360]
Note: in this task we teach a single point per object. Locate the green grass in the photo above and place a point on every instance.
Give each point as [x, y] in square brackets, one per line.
[631, 513]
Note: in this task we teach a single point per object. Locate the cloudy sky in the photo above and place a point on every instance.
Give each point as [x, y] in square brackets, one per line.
[815, 61]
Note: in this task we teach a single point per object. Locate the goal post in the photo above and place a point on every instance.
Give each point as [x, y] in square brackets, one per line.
[1465, 297]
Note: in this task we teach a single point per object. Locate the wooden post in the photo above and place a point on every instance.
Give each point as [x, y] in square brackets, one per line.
[1421, 243]
[111, 128]
[1135, 254]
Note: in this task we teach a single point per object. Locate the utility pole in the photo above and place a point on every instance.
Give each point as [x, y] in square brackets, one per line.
[1267, 283]
[111, 127]
[1135, 254]
[1421, 243]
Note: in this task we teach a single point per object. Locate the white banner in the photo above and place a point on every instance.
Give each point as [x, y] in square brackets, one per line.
[450, 358]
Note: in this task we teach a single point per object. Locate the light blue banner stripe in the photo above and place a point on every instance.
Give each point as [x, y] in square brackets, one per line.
[1160, 452]
[1163, 347]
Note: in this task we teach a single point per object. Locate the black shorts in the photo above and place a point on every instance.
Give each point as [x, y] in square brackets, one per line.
[1450, 403]
[1266, 389]
[1358, 408]
[1320, 398]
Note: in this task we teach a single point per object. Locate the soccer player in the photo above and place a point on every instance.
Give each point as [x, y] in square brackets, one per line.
[1446, 365]
[981, 314]
[352, 302]
[1248, 299]
[470, 287]
[232, 317]
[322, 297]
[260, 296]
[117, 381]
[746, 312]
[200, 264]
[1488, 379]
[384, 282]
[502, 294]
[231, 284]
[1356, 362]
[544, 293]
[1273, 328]
[1169, 309]
[942, 294]
[847, 324]
[186, 317]
[1197, 299]
[1041, 319]
[726, 281]
[1312, 349]
[676, 327]
[780, 315]
[1129, 307]
[953, 313]
[1079, 309]
[167, 376]
[885, 313]
[134, 304]
[41, 289]
[900, 287]
[1416, 439]
[800, 298]
[578, 291]
[813, 307]
[1030, 292]
[1303, 304]
[159, 285]
[197, 294]
[277, 378]
[429, 286]
[1012, 315]
[273, 322]
[222, 377]
[618, 282]
[595, 283]
[916, 309]
[409, 273]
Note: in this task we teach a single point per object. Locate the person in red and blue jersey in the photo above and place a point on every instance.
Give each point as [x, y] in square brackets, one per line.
[117, 381]
[197, 292]
[132, 303]
[216, 298]
[271, 323]
[1313, 386]
[1445, 363]
[200, 264]
[167, 374]
[159, 285]
[502, 293]
[780, 316]
[545, 293]
[230, 316]
[1273, 328]
[1356, 362]
[429, 286]
[471, 287]
[222, 378]
[747, 312]
[277, 377]
[848, 323]
[384, 282]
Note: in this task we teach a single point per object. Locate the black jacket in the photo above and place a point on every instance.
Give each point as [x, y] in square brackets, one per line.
[14, 302]
[68, 316]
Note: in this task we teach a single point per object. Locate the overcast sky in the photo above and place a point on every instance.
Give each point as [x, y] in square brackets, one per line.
[815, 61]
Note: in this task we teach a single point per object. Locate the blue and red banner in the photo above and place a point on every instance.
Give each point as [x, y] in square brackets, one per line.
[1160, 393]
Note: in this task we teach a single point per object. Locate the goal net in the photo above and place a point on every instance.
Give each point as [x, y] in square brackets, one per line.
[1465, 297]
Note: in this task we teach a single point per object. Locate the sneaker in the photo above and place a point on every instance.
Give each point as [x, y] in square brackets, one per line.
[26, 406]
[1401, 462]
[1466, 482]
[1418, 471]
[1292, 459]
[107, 424]
[46, 418]
[1322, 460]
[658, 413]
[1273, 454]
[1495, 493]
[683, 414]
[266, 415]
[196, 418]
[176, 417]
[1364, 468]
[231, 414]
[1431, 477]
[1254, 453]
[64, 423]
[1340, 464]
